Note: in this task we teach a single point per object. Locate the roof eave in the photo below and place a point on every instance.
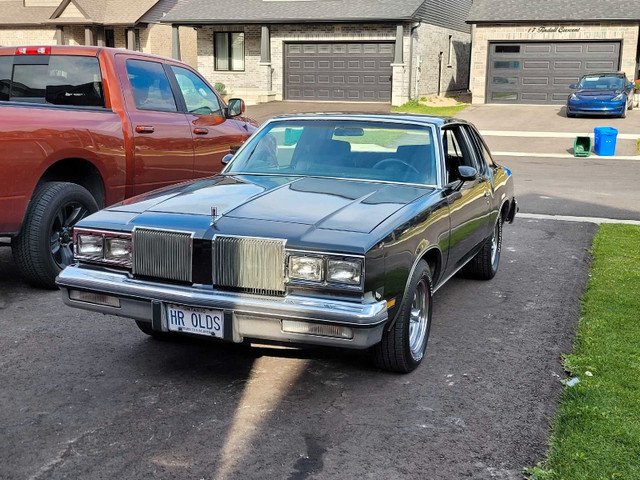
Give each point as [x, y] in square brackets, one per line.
[213, 21]
[538, 21]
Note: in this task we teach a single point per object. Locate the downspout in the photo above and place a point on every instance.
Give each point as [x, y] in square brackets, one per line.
[473, 34]
[413, 29]
[440, 55]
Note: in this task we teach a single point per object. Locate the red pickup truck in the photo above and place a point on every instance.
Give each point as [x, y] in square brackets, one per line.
[86, 127]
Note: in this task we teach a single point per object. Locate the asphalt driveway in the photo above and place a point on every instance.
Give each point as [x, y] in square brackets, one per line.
[89, 396]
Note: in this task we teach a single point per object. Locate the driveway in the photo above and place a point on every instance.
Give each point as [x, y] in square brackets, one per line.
[264, 111]
[89, 396]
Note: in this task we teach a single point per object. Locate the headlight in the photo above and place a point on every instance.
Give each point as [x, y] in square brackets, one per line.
[344, 271]
[573, 97]
[306, 268]
[618, 97]
[100, 246]
[118, 249]
[89, 245]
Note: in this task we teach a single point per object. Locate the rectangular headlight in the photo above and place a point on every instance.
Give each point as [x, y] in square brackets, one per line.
[310, 269]
[118, 249]
[90, 245]
[344, 271]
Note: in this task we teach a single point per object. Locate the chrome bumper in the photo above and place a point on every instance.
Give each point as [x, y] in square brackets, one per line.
[246, 316]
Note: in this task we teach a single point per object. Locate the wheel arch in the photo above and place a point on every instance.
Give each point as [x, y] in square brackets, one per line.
[79, 171]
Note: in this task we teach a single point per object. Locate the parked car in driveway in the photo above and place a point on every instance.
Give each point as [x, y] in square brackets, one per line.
[85, 127]
[601, 94]
[323, 229]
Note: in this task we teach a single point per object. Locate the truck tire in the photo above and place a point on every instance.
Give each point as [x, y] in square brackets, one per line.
[45, 244]
[403, 345]
[484, 265]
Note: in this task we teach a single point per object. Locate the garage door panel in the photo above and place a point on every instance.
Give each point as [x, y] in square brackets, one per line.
[361, 71]
[541, 72]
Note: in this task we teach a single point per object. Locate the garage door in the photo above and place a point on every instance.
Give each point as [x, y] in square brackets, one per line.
[536, 72]
[338, 71]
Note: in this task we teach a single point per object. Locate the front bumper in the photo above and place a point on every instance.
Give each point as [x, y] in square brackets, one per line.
[614, 109]
[246, 316]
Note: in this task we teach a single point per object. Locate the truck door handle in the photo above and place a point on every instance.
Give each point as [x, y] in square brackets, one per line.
[145, 129]
[200, 131]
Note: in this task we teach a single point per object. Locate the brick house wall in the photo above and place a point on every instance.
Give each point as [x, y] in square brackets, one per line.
[27, 36]
[626, 32]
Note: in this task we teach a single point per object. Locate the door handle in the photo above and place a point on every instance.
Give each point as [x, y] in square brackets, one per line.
[145, 129]
[200, 131]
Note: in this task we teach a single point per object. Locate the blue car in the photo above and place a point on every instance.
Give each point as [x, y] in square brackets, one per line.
[601, 94]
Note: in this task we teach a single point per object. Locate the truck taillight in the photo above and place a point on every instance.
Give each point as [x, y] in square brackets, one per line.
[33, 51]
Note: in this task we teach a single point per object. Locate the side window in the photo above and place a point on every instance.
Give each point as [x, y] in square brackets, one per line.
[483, 151]
[6, 66]
[457, 151]
[150, 86]
[198, 97]
[65, 80]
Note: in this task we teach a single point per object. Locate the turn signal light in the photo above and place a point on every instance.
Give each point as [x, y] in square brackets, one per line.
[33, 51]
[317, 329]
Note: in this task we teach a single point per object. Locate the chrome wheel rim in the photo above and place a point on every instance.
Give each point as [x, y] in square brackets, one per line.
[495, 243]
[419, 320]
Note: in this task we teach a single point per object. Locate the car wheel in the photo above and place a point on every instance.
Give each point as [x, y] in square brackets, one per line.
[45, 244]
[571, 115]
[631, 104]
[624, 113]
[403, 346]
[145, 327]
[484, 265]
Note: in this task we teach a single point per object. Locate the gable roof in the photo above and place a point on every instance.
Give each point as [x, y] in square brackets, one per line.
[200, 12]
[13, 12]
[491, 11]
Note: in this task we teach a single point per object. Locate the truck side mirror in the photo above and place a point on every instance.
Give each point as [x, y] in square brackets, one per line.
[235, 107]
[227, 158]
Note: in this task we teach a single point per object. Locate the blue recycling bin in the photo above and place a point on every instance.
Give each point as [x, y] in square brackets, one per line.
[605, 142]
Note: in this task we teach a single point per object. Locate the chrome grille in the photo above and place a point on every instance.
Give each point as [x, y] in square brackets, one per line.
[162, 254]
[254, 265]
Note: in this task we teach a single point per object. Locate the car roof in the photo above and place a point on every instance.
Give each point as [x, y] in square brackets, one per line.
[602, 74]
[438, 121]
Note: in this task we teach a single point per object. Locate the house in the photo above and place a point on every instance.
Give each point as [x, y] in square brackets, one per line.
[531, 51]
[330, 50]
[113, 23]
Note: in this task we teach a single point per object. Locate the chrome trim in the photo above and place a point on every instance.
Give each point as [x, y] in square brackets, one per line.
[326, 256]
[178, 268]
[305, 308]
[260, 268]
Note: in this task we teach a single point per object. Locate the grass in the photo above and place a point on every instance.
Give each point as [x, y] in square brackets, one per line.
[638, 145]
[596, 433]
[414, 106]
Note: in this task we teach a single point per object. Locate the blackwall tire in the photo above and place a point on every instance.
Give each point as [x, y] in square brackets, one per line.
[45, 245]
[484, 265]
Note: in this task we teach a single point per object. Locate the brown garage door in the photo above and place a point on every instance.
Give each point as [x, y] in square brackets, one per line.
[541, 72]
[338, 71]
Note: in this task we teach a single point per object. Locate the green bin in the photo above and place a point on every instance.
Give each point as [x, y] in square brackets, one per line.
[582, 146]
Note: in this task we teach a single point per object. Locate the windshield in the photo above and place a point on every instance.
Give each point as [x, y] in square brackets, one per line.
[358, 150]
[601, 82]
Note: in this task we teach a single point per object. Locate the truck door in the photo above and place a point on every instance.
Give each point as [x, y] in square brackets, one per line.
[214, 135]
[469, 202]
[162, 143]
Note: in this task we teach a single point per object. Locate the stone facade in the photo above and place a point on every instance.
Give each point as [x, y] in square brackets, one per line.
[263, 82]
[27, 36]
[626, 32]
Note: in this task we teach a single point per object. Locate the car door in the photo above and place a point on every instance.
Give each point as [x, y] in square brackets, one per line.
[488, 169]
[214, 135]
[162, 142]
[469, 202]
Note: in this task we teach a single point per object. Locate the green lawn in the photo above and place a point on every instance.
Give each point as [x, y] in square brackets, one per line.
[415, 107]
[596, 433]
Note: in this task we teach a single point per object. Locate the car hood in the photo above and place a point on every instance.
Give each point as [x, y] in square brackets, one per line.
[324, 203]
[588, 94]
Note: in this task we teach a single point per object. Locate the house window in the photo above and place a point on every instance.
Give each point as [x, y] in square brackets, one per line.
[229, 51]
[450, 61]
[109, 38]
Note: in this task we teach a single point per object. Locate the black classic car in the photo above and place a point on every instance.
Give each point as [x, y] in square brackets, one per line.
[322, 229]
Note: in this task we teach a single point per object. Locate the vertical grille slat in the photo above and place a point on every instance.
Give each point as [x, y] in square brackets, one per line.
[163, 254]
[254, 265]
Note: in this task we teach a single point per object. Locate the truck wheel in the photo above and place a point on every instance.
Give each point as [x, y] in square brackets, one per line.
[45, 244]
[484, 265]
[402, 348]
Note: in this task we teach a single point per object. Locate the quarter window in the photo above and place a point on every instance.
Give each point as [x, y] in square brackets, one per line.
[198, 97]
[150, 86]
[457, 152]
[229, 51]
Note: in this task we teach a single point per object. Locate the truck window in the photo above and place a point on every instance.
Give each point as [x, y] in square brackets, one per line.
[66, 80]
[150, 86]
[198, 97]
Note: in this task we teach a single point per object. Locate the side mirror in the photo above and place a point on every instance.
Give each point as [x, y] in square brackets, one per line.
[227, 158]
[572, 86]
[235, 107]
[467, 174]
[630, 86]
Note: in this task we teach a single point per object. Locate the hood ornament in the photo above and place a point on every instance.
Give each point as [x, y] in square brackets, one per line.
[214, 215]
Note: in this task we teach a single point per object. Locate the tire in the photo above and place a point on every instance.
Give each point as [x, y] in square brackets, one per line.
[403, 346]
[484, 265]
[145, 327]
[45, 244]
[631, 105]
[571, 115]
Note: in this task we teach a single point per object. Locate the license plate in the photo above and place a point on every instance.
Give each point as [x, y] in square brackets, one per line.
[199, 321]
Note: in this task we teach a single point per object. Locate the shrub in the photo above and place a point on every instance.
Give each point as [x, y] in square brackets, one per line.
[220, 87]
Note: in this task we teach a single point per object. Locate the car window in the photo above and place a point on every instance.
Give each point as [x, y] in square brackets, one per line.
[601, 82]
[341, 149]
[198, 97]
[150, 86]
[65, 80]
[457, 151]
[483, 155]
